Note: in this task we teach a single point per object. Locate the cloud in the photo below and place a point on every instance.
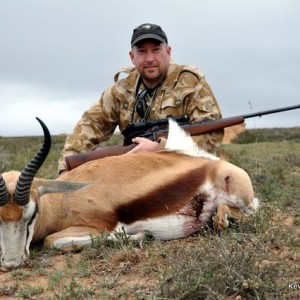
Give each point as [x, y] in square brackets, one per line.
[57, 57]
[59, 109]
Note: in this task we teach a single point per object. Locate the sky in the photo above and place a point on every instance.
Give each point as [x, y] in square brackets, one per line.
[57, 57]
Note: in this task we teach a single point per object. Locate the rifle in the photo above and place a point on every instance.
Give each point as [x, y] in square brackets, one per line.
[142, 129]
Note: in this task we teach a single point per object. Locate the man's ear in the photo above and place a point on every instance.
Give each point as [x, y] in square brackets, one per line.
[169, 51]
[131, 55]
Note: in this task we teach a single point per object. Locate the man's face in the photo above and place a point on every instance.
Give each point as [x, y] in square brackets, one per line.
[152, 60]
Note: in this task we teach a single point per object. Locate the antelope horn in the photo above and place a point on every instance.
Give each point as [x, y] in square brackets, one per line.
[22, 192]
[3, 192]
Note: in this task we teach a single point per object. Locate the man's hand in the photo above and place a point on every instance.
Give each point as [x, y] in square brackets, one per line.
[144, 144]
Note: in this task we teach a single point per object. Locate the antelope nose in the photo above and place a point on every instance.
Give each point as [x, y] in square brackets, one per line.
[9, 264]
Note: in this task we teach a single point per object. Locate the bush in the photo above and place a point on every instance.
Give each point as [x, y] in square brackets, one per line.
[268, 135]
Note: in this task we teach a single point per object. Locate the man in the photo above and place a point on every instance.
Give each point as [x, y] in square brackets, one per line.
[154, 88]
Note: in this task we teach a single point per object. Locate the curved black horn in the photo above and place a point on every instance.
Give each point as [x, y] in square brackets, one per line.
[22, 192]
[3, 191]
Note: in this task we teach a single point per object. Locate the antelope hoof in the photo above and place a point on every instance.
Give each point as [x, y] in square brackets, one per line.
[220, 222]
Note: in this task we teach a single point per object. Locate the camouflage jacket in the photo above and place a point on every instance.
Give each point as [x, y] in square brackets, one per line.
[183, 91]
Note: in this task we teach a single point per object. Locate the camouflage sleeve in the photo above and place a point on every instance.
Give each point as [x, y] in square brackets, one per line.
[202, 105]
[97, 124]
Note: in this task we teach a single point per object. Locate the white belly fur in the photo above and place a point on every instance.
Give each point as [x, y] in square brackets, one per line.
[162, 228]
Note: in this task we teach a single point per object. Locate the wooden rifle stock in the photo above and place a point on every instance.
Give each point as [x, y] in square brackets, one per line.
[74, 161]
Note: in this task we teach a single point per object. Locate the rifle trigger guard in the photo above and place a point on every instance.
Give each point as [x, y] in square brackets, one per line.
[153, 136]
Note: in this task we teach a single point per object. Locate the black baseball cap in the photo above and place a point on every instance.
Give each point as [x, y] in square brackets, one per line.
[148, 31]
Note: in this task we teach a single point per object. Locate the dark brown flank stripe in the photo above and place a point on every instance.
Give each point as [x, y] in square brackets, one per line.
[165, 200]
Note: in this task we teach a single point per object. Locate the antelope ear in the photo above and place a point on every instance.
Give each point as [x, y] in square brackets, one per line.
[57, 186]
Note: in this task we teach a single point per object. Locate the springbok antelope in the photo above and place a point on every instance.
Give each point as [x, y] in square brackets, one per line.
[168, 194]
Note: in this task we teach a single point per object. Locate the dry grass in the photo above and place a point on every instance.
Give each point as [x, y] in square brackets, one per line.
[255, 259]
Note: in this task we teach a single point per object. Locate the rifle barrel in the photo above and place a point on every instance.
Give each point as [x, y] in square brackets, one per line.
[271, 111]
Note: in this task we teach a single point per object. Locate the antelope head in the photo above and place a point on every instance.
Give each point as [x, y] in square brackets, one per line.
[20, 194]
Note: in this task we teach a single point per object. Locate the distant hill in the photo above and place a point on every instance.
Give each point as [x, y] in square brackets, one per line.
[260, 135]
